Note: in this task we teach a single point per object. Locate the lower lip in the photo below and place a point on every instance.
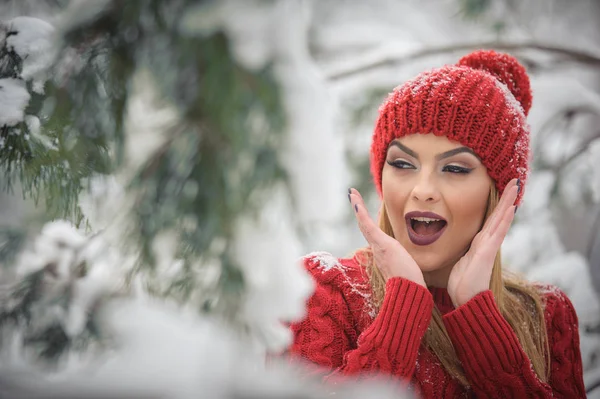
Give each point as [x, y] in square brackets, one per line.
[424, 240]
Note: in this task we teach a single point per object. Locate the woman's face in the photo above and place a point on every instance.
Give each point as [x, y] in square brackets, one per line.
[435, 192]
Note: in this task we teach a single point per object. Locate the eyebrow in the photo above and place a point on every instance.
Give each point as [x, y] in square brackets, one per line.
[438, 157]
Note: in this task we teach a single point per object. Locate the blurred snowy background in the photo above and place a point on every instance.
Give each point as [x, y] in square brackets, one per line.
[222, 233]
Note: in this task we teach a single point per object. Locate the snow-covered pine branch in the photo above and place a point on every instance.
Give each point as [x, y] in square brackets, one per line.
[26, 54]
[70, 330]
[45, 146]
[59, 281]
[376, 59]
[194, 224]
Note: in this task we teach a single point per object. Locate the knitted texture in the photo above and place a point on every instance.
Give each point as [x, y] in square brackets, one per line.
[482, 103]
[341, 335]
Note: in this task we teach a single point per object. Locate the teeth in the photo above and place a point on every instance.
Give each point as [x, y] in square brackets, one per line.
[426, 220]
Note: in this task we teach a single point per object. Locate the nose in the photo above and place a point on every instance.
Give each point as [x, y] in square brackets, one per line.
[425, 189]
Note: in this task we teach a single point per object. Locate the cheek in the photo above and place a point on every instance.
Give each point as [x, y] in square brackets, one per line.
[395, 196]
[468, 209]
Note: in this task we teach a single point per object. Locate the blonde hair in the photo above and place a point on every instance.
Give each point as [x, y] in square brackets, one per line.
[519, 302]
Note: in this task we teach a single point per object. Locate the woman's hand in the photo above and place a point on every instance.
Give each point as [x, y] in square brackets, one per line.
[473, 272]
[389, 255]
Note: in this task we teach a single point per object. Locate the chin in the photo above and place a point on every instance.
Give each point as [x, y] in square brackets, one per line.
[432, 257]
[427, 258]
[428, 262]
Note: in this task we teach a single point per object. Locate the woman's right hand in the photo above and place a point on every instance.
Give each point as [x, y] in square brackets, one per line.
[391, 258]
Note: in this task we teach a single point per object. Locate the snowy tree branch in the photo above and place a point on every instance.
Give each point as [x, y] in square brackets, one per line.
[565, 116]
[575, 55]
[582, 148]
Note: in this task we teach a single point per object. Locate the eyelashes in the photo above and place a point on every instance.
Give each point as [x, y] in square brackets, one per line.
[454, 169]
[401, 164]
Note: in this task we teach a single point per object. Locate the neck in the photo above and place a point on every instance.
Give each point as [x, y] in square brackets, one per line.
[439, 277]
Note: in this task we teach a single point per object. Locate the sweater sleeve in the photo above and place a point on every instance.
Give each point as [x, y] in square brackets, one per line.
[328, 338]
[494, 361]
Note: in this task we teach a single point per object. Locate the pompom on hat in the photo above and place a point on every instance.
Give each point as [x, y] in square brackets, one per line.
[481, 102]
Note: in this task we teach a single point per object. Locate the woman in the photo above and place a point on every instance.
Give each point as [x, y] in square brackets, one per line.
[427, 301]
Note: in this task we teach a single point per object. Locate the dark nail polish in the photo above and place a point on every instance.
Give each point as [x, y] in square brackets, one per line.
[349, 191]
[519, 186]
[516, 207]
[356, 207]
[349, 199]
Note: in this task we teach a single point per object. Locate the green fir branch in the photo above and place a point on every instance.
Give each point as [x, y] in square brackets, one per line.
[215, 163]
[12, 241]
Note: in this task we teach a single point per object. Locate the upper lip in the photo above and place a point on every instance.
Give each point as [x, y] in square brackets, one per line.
[419, 214]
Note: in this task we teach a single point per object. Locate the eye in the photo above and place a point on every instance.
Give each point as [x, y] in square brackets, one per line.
[401, 164]
[456, 169]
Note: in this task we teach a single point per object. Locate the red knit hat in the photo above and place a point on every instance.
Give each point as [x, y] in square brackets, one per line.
[482, 102]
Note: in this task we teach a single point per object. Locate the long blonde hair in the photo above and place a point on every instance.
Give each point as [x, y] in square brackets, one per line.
[519, 302]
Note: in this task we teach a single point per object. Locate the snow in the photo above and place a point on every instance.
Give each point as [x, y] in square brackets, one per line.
[164, 352]
[33, 42]
[277, 284]
[101, 277]
[148, 120]
[594, 155]
[80, 12]
[56, 245]
[250, 26]
[159, 348]
[34, 129]
[314, 152]
[193, 355]
[33, 124]
[14, 98]
[552, 96]
[81, 265]
[512, 102]
[31, 39]
[103, 201]
[325, 261]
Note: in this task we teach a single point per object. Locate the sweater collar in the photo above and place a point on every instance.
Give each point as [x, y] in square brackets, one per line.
[441, 299]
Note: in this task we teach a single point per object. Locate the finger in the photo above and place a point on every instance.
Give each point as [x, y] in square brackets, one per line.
[365, 223]
[508, 198]
[367, 226]
[503, 227]
[493, 219]
[489, 245]
[509, 201]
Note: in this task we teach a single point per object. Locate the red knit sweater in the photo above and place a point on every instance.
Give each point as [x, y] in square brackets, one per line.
[343, 334]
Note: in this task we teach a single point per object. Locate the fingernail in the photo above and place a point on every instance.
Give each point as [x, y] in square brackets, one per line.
[349, 199]
[516, 207]
[356, 207]
[349, 191]
[519, 186]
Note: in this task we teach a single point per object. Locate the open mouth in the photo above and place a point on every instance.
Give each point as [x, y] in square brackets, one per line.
[424, 228]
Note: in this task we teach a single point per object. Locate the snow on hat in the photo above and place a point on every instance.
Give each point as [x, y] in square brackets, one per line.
[481, 102]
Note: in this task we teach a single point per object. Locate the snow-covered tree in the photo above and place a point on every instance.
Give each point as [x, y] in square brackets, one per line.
[155, 133]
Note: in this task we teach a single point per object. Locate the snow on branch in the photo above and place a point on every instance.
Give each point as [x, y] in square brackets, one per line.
[60, 279]
[387, 60]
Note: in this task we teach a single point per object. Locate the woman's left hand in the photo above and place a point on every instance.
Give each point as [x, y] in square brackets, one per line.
[472, 273]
